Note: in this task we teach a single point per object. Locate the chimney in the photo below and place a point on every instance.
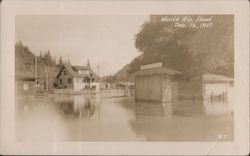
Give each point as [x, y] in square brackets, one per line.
[88, 64]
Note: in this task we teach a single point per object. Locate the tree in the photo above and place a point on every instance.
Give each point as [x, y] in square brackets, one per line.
[24, 58]
[41, 55]
[191, 51]
[48, 60]
[60, 62]
[54, 60]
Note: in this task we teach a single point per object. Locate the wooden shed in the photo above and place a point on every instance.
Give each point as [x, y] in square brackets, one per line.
[25, 84]
[153, 82]
[206, 86]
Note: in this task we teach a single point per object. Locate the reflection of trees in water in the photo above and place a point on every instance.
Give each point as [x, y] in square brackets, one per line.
[183, 120]
[144, 108]
[188, 107]
[183, 107]
[150, 119]
[78, 106]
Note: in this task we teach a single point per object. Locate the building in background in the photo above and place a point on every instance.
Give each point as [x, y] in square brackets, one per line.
[206, 86]
[25, 84]
[77, 78]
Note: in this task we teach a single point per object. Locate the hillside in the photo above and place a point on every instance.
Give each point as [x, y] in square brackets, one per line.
[25, 63]
[122, 75]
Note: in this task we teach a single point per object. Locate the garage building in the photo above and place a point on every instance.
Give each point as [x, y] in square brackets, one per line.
[206, 86]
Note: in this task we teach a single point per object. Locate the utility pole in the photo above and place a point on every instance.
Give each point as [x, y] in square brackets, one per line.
[98, 67]
[36, 74]
[47, 81]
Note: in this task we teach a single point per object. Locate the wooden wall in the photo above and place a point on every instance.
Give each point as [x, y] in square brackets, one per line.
[191, 88]
[65, 78]
[148, 87]
[153, 88]
[29, 89]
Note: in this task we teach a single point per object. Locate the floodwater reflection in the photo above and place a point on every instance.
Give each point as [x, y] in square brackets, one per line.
[101, 118]
[80, 106]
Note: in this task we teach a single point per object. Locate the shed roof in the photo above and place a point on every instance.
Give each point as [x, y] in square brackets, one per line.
[156, 70]
[25, 76]
[215, 77]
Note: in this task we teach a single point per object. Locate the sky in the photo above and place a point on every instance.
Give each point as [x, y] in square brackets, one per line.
[107, 40]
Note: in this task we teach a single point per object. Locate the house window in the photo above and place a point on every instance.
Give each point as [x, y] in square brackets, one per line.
[79, 80]
[69, 80]
[86, 79]
[60, 81]
[25, 86]
[83, 71]
[65, 72]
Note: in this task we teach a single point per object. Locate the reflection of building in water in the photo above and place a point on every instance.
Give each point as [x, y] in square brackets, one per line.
[201, 107]
[78, 105]
[151, 119]
[217, 107]
[153, 109]
[188, 107]
[185, 120]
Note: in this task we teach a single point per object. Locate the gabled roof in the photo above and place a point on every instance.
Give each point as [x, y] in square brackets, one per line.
[73, 70]
[80, 67]
[156, 70]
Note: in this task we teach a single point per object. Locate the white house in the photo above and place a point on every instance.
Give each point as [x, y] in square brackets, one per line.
[77, 78]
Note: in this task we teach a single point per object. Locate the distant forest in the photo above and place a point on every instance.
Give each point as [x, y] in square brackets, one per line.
[25, 61]
[188, 50]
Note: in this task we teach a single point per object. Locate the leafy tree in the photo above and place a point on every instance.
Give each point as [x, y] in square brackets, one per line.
[191, 51]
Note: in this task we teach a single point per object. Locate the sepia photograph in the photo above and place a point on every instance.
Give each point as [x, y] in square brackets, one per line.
[124, 77]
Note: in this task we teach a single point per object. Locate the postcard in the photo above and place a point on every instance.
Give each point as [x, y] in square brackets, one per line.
[125, 77]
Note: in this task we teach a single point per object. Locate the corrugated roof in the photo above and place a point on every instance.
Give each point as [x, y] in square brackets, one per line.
[156, 70]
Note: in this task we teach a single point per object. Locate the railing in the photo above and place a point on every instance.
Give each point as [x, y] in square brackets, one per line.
[118, 92]
[107, 93]
[63, 91]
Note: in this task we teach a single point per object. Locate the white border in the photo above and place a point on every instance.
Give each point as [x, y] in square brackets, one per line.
[238, 8]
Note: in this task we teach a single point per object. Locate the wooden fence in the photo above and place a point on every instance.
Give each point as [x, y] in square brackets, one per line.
[106, 93]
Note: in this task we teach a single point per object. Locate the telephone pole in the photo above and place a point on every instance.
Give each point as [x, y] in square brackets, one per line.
[47, 80]
[98, 67]
[36, 74]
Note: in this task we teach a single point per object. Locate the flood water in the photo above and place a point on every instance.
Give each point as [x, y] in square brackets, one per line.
[102, 118]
